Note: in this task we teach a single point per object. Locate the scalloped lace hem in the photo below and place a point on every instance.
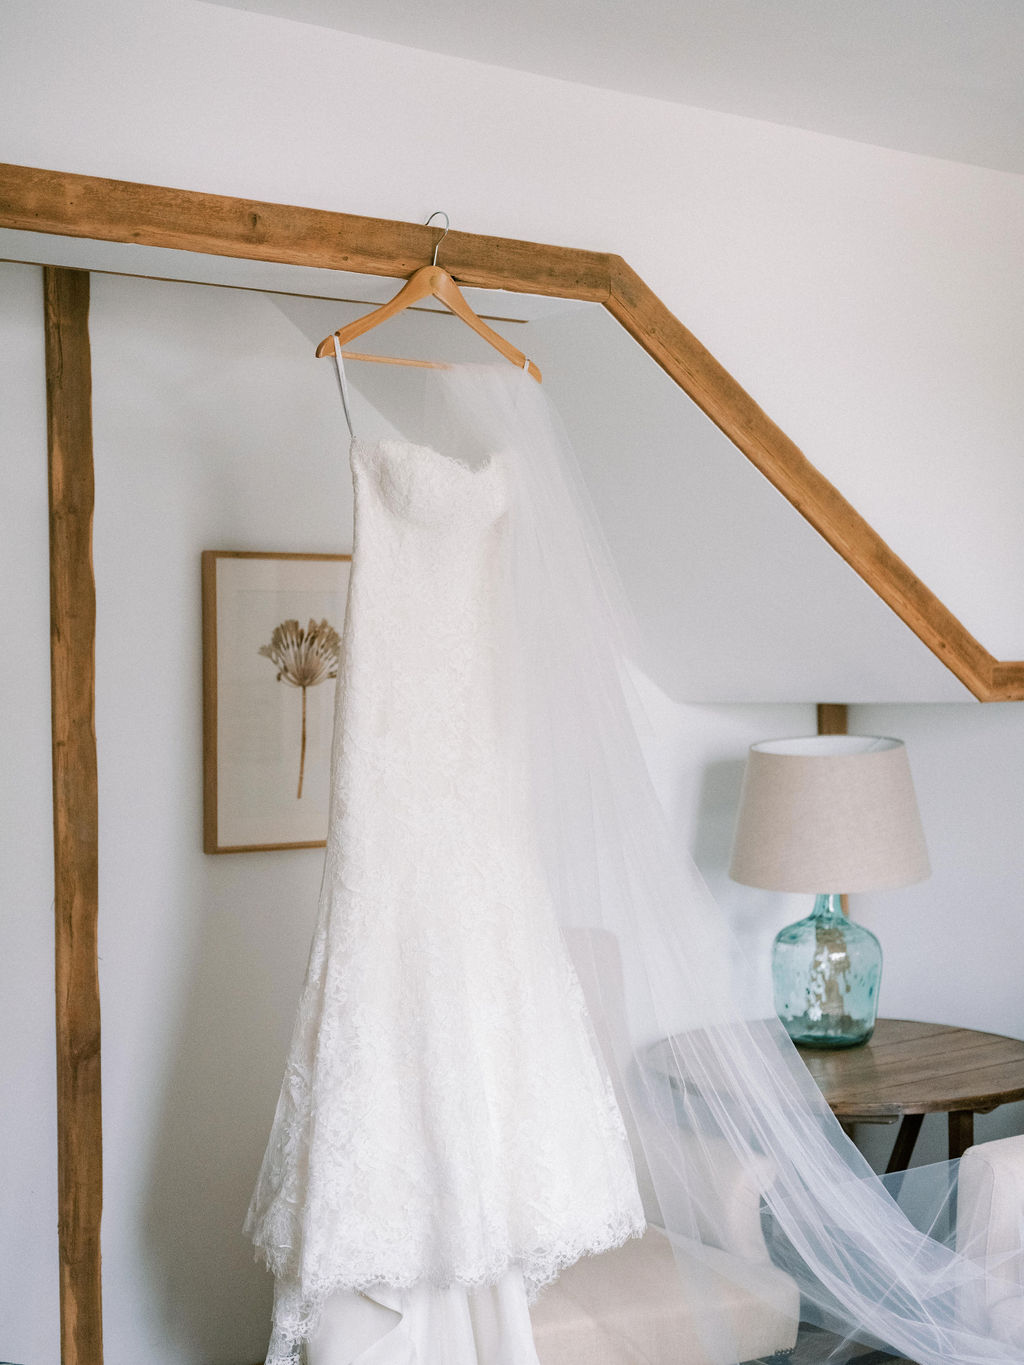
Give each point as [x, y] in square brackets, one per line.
[297, 1314]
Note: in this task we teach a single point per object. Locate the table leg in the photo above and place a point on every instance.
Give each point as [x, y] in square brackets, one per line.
[903, 1148]
[961, 1132]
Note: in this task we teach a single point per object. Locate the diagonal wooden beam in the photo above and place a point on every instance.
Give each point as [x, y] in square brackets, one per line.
[153, 215]
[781, 461]
[1007, 682]
[75, 811]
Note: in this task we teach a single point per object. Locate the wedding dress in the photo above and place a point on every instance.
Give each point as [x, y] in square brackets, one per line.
[444, 1117]
[450, 1132]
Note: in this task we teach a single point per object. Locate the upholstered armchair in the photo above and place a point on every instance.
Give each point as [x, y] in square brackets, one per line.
[990, 1229]
[651, 1299]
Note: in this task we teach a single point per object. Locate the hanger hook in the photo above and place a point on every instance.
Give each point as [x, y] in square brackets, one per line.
[447, 225]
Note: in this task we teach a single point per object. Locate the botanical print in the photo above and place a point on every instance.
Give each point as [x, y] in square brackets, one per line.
[304, 658]
[271, 645]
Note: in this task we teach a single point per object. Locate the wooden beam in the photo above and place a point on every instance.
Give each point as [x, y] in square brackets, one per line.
[89, 207]
[186, 220]
[86, 206]
[833, 718]
[753, 432]
[1007, 682]
[75, 811]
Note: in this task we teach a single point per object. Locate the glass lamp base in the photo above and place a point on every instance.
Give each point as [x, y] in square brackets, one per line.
[841, 1032]
[826, 971]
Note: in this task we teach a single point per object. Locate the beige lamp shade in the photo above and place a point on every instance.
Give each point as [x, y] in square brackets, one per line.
[828, 814]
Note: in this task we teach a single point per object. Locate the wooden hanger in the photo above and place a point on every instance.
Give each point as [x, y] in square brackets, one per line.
[429, 280]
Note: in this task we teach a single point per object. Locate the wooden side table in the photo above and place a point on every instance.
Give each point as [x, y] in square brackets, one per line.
[908, 1070]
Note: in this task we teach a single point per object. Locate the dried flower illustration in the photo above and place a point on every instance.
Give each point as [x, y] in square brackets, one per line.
[303, 659]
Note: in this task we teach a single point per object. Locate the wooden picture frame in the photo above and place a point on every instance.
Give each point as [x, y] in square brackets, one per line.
[272, 627]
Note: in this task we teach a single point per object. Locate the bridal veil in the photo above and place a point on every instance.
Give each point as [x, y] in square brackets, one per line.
[699, 1084]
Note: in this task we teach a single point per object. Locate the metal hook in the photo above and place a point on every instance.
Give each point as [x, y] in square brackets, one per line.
[447, 225]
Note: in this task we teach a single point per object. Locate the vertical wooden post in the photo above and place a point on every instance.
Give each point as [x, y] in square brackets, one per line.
[832, 718]
[75, 810]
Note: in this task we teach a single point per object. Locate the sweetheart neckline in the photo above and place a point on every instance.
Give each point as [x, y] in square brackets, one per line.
[369, 443]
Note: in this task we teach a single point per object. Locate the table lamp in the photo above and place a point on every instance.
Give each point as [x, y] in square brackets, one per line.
[828, 814]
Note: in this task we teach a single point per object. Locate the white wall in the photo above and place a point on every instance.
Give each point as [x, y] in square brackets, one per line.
[870, 299]
[953, 945]
[28, 1087]
[871, 302]
[212, 431]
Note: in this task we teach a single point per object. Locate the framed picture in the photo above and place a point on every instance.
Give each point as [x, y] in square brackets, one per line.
[271, 634]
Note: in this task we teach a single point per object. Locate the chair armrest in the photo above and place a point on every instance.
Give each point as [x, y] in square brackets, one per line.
[726, 1196]
[990, 1205]
[990, 1225]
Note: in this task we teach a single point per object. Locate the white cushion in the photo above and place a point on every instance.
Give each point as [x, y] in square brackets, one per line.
[990, 1229]
[641, 1302]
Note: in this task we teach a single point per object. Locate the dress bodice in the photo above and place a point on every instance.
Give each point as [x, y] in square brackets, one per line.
[423, 487]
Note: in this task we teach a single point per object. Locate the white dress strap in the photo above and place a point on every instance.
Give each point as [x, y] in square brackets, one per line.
[343, 386]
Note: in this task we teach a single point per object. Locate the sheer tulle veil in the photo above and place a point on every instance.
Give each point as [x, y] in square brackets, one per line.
[725, 1088]
[705, 1089]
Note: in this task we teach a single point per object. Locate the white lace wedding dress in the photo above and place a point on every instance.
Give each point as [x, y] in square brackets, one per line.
[444, 1123]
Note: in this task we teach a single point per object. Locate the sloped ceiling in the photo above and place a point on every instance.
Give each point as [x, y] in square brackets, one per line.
[937, 77]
